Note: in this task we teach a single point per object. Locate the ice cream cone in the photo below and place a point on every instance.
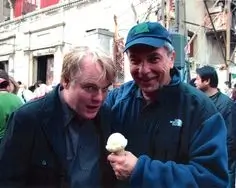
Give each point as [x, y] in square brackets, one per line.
[120, 152]
[116, 144]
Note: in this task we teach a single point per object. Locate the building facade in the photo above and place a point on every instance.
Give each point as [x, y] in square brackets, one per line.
[4, 10]
[33, 44]
[39, 33]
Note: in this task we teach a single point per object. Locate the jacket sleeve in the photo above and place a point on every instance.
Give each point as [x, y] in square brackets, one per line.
[207, 166]
[15, 151]
[231, 144]
[111, 98]
[233, 132]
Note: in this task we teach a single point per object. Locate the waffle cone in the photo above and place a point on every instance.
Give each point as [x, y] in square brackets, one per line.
[120, 152]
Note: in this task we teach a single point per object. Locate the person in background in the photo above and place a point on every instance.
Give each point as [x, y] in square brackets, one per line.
[35, 85]
[24, 94]
[8, 101]
[228, 89]
[207, 81]
[59, 139]
[176, 137]
[42, 90]
[233, 97]
[234, 133]
[191, 82]
[14, 86]
[31, 88]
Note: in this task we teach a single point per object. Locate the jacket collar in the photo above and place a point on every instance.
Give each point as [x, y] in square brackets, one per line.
[68, 113]
[53, 124]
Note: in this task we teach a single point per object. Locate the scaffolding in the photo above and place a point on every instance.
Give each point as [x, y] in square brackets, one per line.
[118, 54]
[220, 21]
[223, 28]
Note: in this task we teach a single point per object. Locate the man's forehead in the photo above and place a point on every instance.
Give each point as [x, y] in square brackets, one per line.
[90, 78]
[198, 77]
[96, 80]
[141, 49]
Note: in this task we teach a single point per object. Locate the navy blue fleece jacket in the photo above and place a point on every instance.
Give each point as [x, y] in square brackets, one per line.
[180, 140]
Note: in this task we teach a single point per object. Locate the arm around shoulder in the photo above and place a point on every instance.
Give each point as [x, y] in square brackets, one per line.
[111, 97]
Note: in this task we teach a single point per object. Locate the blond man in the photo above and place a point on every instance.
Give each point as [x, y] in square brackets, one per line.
[59, 139]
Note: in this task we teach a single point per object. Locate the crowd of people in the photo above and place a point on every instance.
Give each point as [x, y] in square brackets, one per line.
[178, 135]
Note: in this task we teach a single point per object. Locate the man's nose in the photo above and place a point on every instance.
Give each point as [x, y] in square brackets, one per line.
[99, 96]
[144, 68]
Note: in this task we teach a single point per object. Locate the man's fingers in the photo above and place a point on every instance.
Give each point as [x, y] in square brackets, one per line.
[119, 176]
[112, 164]
[111, 158]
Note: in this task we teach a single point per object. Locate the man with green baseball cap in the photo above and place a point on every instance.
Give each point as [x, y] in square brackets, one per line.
[176, 137]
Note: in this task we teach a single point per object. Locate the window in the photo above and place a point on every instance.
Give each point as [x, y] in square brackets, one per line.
[29, 6]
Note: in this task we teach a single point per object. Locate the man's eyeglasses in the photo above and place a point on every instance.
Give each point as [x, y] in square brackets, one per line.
[93, 89]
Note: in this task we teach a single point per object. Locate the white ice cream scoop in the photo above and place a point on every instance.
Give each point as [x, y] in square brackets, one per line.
[116, 143]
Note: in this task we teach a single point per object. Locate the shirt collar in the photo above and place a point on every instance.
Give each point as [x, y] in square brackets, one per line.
[138, 94]
[69, 114]
[216, 94]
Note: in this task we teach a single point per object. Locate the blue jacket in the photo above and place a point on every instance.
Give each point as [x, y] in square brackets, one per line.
[233, 119]
[180, 140]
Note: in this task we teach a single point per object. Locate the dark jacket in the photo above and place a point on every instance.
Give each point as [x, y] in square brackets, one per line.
[224, 105]
[33, 151]
[180, 140]
[234, 129]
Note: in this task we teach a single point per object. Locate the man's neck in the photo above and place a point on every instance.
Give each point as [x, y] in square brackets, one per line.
[150, 97]
[211, 91]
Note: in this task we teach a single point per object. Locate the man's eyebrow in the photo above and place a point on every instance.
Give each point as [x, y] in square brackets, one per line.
[88, 83]
[133, 55]
[94, 85]
[154, 54]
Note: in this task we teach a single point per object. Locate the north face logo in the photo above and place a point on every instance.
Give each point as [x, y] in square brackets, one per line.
[176, 123]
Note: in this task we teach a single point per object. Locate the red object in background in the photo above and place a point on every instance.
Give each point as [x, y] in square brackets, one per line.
[23, 7]
[46, 3]
[18, 7]
[29, 6]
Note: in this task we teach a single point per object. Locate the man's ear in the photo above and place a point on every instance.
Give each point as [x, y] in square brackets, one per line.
[8, 88]
[208, 81]
[172, 57]
[65, 83]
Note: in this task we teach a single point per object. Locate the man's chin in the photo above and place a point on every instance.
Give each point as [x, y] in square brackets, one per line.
[150, 89]
[90, 115]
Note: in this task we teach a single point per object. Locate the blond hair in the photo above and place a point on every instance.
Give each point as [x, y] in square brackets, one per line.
[73, 60]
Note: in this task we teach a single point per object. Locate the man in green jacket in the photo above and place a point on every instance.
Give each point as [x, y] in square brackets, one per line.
[8, 101]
